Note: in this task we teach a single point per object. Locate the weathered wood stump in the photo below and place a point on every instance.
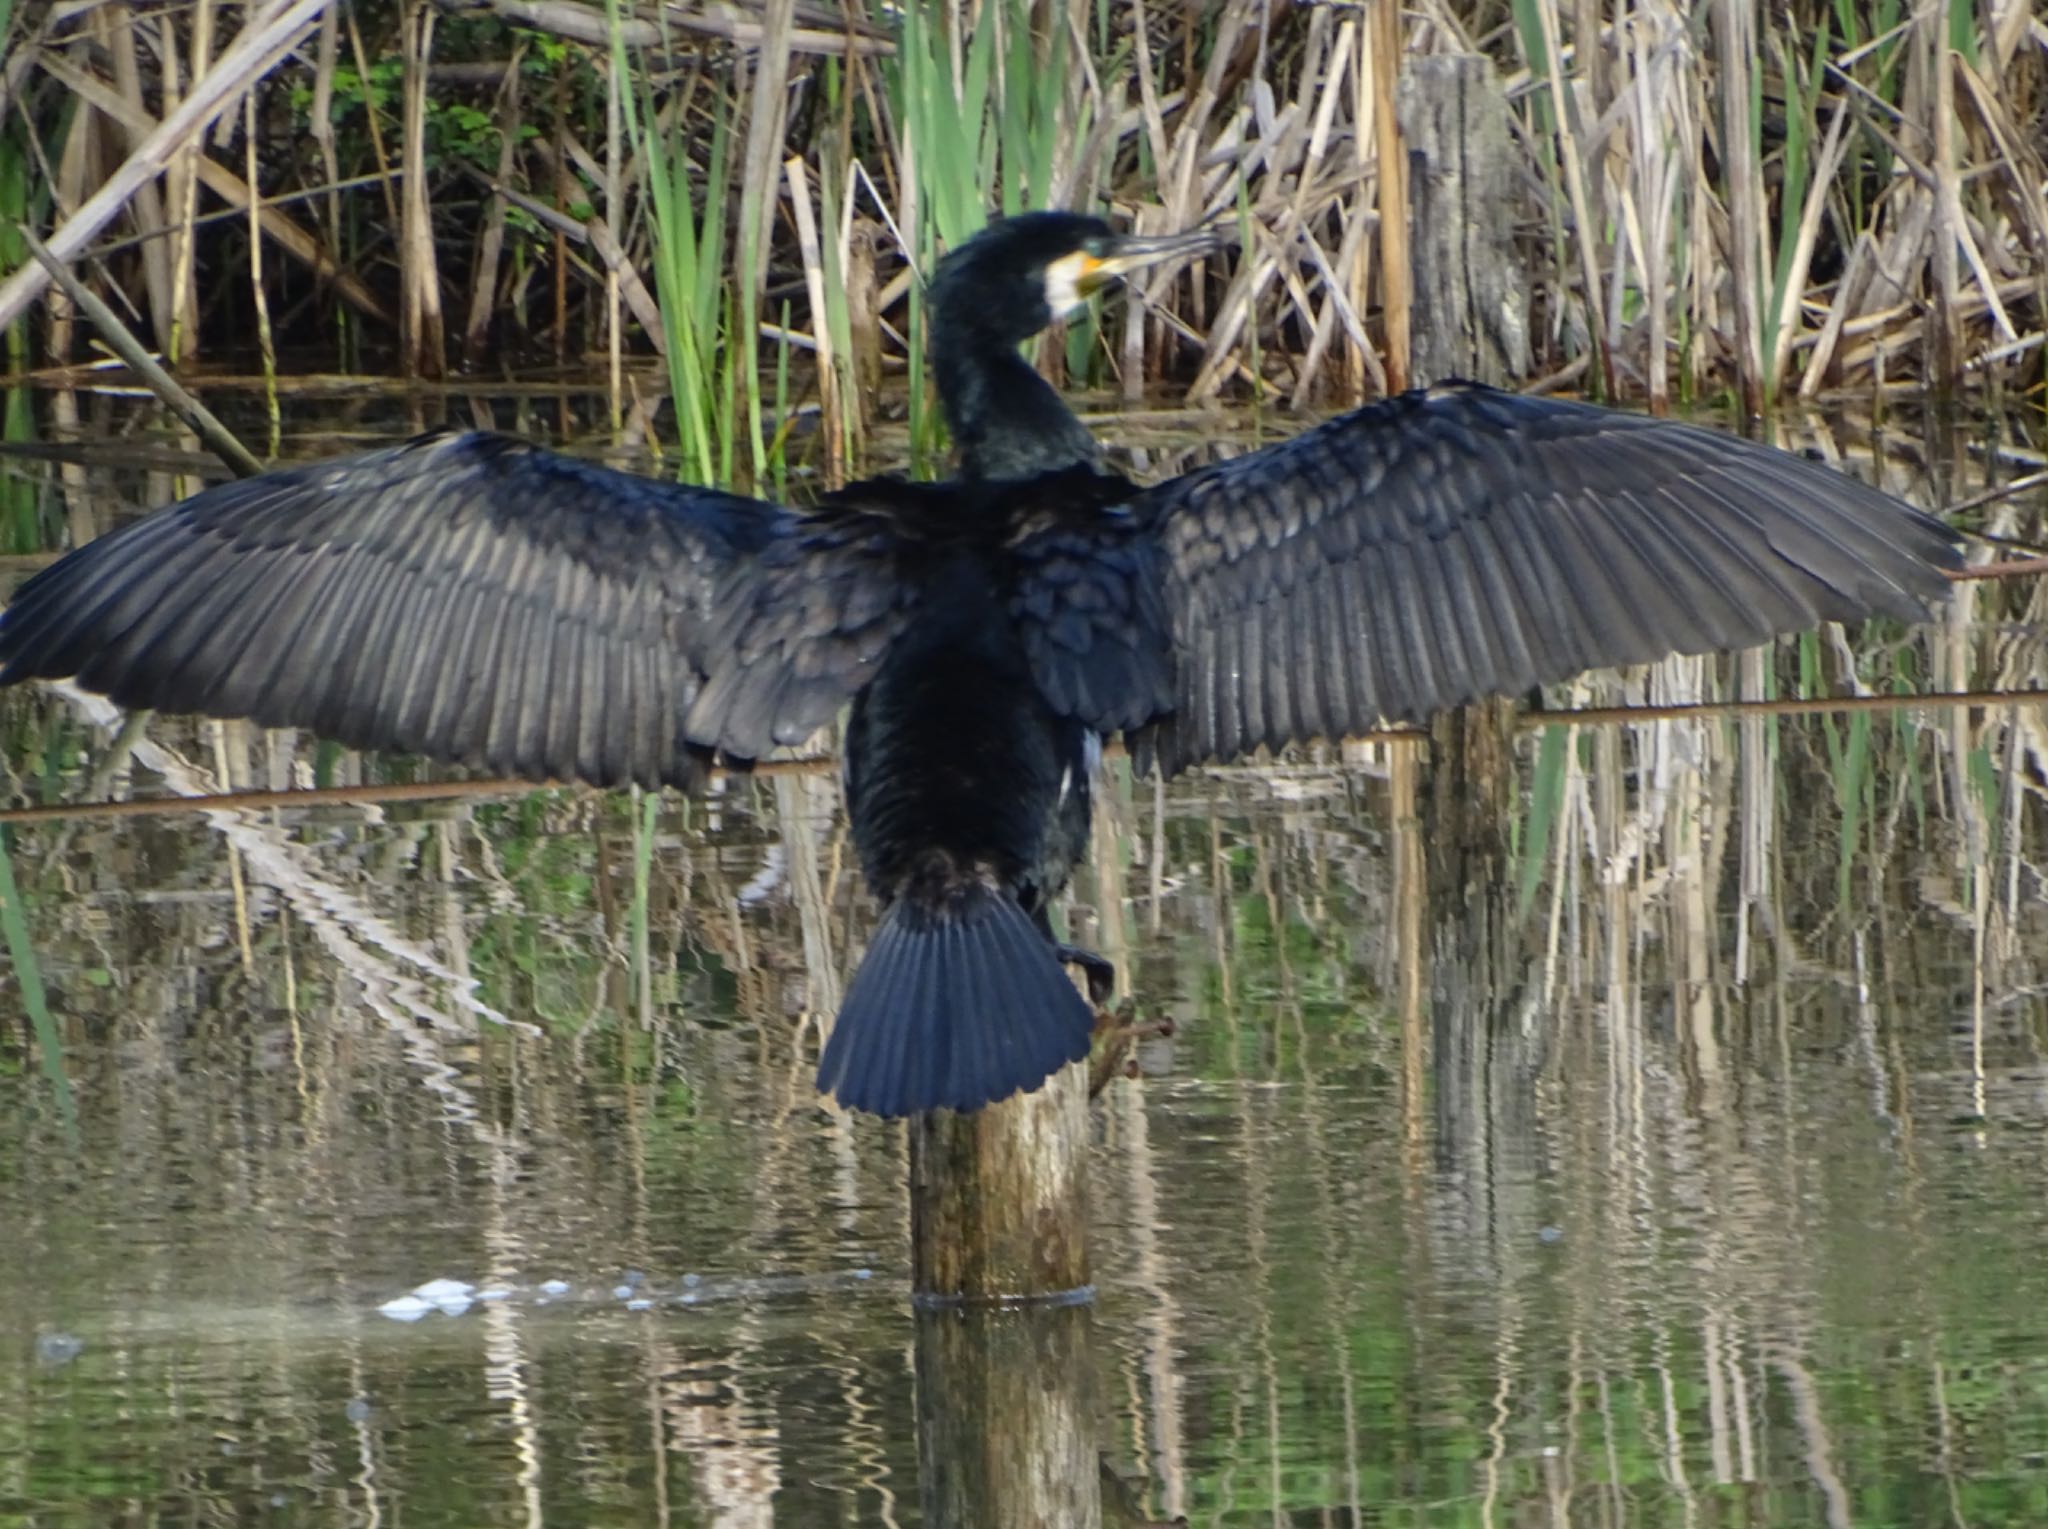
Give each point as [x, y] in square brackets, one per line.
[1006, 1418]
[1471, 321]
[1470, 301]
[998, 1198]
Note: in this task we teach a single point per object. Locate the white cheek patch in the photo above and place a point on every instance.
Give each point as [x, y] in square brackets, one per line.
[1063, 292]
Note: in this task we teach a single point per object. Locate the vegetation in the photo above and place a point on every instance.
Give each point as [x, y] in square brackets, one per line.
[1773, 1044]
[1832, 194]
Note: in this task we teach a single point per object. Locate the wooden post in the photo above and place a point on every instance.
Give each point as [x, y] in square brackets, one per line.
[1472, 785]
[1471, 321]
[1471, 306]
[1006, 1418]
[998, 1199]
[1735, 50]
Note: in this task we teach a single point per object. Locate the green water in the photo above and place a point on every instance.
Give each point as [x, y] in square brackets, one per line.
[1721, 1200]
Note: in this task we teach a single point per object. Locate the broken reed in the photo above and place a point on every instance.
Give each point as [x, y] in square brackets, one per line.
[1825, 195]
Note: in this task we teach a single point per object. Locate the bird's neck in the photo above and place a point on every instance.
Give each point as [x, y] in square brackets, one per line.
[1006, 420]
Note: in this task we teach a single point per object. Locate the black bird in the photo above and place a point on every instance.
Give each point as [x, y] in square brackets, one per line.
[476, 599]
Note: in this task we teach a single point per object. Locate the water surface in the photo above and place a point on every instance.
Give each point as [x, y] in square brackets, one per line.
[1717, 1200]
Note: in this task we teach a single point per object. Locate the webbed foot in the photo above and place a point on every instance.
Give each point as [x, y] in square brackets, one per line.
[1098, 971]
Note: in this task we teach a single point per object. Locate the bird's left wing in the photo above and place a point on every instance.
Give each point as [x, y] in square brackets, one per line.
[1459, 542]
[473, 598]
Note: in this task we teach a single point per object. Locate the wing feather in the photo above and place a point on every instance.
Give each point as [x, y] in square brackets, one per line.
[1417, 624]
[1341, 649]
[1459, 542]
[1449, 620]
[472, 598]
[441, 645]
[1389, 647]
[1254, 727]
[1283, 708]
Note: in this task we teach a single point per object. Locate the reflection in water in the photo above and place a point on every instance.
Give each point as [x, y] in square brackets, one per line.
[1006, 1418]
[1713, 1196]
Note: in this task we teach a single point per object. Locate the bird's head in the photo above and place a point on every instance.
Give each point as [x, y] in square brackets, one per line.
[1020, 274]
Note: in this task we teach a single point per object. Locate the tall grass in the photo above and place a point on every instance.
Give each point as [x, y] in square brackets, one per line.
[1771, 204]
[981, 114]
[688, 256]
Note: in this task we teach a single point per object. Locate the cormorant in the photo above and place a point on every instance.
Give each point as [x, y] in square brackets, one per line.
[472, 598]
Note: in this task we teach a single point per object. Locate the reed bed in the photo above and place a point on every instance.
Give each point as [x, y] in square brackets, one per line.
[1833, 195]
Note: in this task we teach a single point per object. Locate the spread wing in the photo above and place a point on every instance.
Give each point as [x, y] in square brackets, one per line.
[476, 599]
[1450, 544]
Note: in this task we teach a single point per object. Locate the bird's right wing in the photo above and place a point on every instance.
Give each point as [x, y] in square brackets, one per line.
[1459, 542]
[473, 598]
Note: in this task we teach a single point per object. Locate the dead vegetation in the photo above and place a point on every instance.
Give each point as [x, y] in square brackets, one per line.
[1821, 197]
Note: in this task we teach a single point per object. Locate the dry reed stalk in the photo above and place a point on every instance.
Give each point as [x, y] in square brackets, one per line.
[181, 178]
[115, 24]
[320, 118]
[1651, 187]
[483, 290]
[765, 151]
[421, 342]
[216, 435]
[617, 264]
[857, 240]
[1848, 291]
[1239, 27]
[2025, 183]
[229, 187]
[1152, 103]
[1945, 328]
[1339, 311]
[1326, 58]
[1078, 156]
[1786, 330]
[1289, 170]
[266, 347]
[1393, 191]
[60, 328]
[830, 407]
[2025, 176]
[1565, 108]
[389, 177]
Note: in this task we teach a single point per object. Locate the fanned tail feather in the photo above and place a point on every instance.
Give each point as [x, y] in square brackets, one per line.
[953, 1008]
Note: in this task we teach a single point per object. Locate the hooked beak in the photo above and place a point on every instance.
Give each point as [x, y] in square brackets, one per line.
[1135, 252]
